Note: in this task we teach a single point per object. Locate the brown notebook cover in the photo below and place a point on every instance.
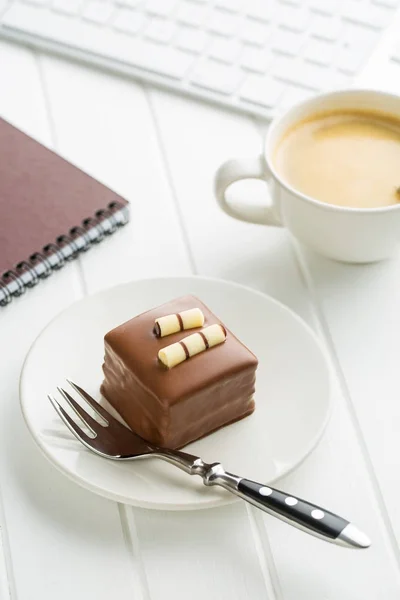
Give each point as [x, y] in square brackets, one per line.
[50, 211]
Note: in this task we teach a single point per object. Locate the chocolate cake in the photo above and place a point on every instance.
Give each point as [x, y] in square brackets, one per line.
[177, 379]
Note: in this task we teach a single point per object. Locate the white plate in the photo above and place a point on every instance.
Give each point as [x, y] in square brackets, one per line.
[292, 397]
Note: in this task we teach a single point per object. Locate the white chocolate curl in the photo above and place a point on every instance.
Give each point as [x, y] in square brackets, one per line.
[188, 319]
[191, 345]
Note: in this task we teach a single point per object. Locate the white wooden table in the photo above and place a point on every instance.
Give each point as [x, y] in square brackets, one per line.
[58, 541]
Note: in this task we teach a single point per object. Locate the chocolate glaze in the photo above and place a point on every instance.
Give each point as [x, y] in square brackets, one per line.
[172, 407]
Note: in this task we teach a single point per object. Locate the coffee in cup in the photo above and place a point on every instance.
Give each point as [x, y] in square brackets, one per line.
[347, 158]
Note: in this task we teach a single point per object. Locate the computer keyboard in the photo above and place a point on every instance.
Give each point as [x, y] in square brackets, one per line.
[259, 56]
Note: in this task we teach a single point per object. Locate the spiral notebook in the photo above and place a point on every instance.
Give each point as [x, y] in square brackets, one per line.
[50, 211]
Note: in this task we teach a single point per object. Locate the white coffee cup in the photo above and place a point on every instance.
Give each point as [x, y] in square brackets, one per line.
[345, 234]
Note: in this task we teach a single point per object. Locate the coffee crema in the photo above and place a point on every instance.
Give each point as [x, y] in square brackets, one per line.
[344, 157]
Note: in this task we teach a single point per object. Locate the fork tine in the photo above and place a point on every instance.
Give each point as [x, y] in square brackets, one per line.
[101, 411]
[72, 426]
[89, 421]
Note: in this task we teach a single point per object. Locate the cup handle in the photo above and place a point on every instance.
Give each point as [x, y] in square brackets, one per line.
[236, 170]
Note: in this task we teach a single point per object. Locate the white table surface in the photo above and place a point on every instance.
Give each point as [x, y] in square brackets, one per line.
[58, 541]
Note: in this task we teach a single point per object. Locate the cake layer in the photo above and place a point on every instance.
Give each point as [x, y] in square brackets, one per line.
[172, 407]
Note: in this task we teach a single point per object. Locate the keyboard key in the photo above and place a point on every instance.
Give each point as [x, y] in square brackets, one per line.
[337, 80]
[294, 95]
[129, 21]
[264, 91]
[286, 42]
[214, 76]
[305, 74]
[162, 8]
[231, 5]
[223, 23]
[319, 52]
[69, 7]
[191, 39]
[258, 9]
[326, 7]
[325, 28]
[255, 59]
[350, 61]
[358, 36]
[254, 33]
[224, 50]
[283, 68]
[97, 11]
[160, 30]
[191, 14]
[312, 76]
[292, 18]
[375, 17]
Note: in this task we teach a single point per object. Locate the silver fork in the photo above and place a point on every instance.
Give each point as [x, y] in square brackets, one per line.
[110, 439]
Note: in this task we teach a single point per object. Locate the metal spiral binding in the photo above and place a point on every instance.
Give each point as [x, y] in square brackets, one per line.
[53, 256]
